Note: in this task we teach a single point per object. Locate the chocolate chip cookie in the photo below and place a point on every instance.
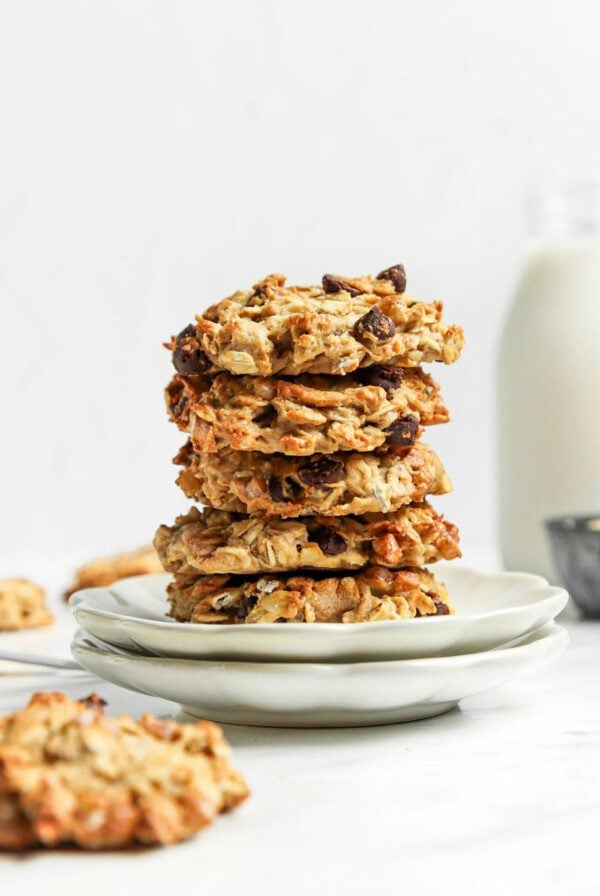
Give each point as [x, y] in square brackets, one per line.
[68, 774]
[212, 542]
[371, 595]
[328, 484]
[106, 570]
[22, 605]
[334, 328]
[373, 407]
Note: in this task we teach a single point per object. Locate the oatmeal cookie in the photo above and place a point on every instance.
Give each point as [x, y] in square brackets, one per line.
[22, 605]
[343, 324]
[210, 542]
[371, 595]
[106, 570]
[68, 774]
[373, 407]
[328, 484]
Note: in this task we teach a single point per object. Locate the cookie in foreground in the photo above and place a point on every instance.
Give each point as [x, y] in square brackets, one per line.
[373, 407]
[106, 570]
[22, 605]
[211, 541]
[371, 595]
[69, 774]
[329, 484]
[334, 328]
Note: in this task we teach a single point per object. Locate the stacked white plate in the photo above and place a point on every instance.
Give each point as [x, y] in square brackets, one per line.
[321, 675]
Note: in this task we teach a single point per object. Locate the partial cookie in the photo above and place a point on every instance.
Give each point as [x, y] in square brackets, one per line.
[374, 407]
[22, 605]
[328, 484]
[371, 595]
[70, 775]
[210, 541]
[337, 327]
[106, 570]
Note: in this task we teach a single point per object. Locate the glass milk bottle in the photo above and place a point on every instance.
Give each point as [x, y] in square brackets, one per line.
[548, 378]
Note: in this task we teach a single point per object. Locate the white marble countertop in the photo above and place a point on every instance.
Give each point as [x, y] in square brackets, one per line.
[501, 795]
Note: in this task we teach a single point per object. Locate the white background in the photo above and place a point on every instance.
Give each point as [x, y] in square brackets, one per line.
[155, 156]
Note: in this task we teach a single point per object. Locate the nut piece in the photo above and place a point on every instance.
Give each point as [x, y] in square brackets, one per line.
[396, 275]
[374, 326]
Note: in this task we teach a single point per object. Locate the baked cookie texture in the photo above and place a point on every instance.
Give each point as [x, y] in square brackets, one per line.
[335, 328]
[328, 484]
[371, 595]
[106, 570]
[69, 774]
[304, 409]
[374, 407]
[22, 605]
[210, 542]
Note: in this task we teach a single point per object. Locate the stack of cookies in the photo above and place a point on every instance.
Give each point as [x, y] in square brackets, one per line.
[304, 409]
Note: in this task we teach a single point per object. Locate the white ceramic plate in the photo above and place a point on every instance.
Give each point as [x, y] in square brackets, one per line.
[492, 610]
[318, 695]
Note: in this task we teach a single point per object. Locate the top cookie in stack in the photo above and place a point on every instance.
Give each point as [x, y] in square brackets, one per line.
[304, 408]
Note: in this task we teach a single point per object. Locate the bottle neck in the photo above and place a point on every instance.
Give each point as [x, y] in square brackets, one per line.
[565, 212]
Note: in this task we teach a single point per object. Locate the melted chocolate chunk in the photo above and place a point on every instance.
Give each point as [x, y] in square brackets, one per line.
[374, 326]
[331, 283]
[396, 275]
[330, 541]
[402, 431]
[321, 471]
[275, 489]
[440, 608]
[294, 488]
[246, 604]
[188, 357]
[388, 378]
[265, 416]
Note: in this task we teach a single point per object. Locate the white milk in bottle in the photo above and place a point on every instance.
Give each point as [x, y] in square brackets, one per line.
[548, 378]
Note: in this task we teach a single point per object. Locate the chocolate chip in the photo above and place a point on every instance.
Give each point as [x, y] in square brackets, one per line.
[331, 283]
[321, 471]
[330, 541]
[374, 326]
[188, 357]
[94, 700]
[440, 608]
[265, 416]
[388, 378]
[294, 488]
[275, 489]
[246, 604]
[396, 275]
[402, 431]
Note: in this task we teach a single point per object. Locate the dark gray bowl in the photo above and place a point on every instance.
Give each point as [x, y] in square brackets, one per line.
[575, 546]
